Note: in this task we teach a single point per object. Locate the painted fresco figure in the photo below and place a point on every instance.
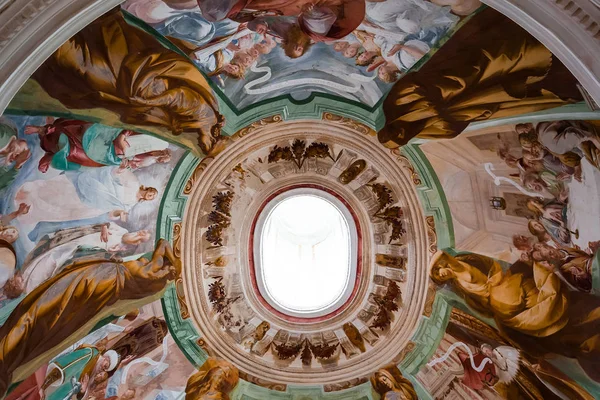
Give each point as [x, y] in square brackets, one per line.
[406, 17]
[8, 232]
[477, 380]
[53, 312]
[168, 91]
[74, 372]
[71, 144]
[12, 151]
[532, 307]
[498, 78]
[562, 137]
[391, 385]
[45, 379]
[553, 216]
[395, 59]
[214, 380]
[138, 341]
[573, 264]
[320, 21]
[53, 253]
[506, 370]
[83, 194]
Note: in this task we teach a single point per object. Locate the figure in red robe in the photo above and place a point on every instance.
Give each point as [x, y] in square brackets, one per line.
[478, 380]
[317, 20]
[50, 141]
[70, 144]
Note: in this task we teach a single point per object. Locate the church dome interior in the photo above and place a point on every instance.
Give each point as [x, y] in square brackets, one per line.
[299, 199]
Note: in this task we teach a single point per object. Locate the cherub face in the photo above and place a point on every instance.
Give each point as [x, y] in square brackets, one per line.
[340, 46]
[363, 58]
[350, 51]
[233, 69]
[9, 234]
[149, 195]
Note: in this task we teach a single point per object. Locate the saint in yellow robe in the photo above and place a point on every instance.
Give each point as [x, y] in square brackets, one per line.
[214, 380]
[110, 64]
[66, 302]
[531, 307]
[491, 68]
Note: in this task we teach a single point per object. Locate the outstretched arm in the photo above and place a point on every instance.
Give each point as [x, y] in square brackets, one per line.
[22, 210]
[413, 51]
[164, 250]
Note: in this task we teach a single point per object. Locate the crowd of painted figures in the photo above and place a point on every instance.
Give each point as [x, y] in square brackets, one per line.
[225, 38]
[551, 157]
[74, 195]
[86, 154]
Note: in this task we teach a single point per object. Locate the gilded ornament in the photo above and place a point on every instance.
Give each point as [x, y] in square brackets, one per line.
[352, 171]
[350, 123]
[258, 125]
[414, 175]
[431, 234]
[354, 335]
[189, 185]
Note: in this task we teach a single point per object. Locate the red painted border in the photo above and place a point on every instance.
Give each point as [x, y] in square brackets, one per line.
[357, 280]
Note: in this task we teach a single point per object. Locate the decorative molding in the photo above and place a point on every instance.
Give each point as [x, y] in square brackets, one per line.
[414, 175]
[177, 239]
[189, 185]
[183, 307]
[427, 337]
[228, 171]
[431, 234]
[349, 122]
[278, 387]
[410, 346]
[431, 194]
[578, 111]
[289, 109]
[431, 292]
[336, 387]
[275, 119]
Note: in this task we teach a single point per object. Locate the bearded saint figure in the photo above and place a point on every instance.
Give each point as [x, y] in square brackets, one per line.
[530, 305]
[112, 65]
[476, 76]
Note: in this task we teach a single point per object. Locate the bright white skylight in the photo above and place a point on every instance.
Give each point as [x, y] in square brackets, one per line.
[306, 253]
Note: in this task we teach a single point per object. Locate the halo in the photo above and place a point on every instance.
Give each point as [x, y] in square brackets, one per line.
[114, 358]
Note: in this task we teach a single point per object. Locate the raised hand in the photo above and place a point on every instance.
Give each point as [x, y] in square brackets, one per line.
[23, 209]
